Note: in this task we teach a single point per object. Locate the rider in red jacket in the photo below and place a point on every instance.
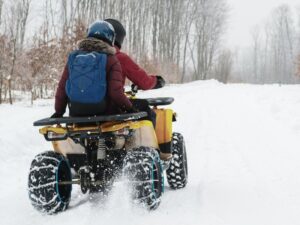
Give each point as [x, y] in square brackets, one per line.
[138, 76]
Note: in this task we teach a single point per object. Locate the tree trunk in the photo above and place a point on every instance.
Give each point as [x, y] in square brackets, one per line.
[9, 91]
[41, 92]
[32, 96]
[1, 85]
[184, 59]
[11, 73]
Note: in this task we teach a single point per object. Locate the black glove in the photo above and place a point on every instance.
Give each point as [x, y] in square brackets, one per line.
[56, 115]
[160, 82]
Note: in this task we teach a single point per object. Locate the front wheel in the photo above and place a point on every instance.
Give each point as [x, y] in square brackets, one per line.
[46, 172]
[144, 172]
[177, 173]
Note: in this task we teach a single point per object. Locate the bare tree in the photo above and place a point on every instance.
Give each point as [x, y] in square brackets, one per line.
[189, 18]
[23, 11]
[298, 64]
[14, 28]
[2, 63]
[2, 44]
[16, 21]
[282, 43]
[210, 25]
[273, 52]
[255, 34]
[223, 67]
[1, 7]
[298, 44]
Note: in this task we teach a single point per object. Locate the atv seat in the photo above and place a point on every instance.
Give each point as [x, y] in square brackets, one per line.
[92, 119]
[160, 101]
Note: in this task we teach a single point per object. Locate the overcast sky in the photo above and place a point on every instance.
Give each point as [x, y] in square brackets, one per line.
[245, 14]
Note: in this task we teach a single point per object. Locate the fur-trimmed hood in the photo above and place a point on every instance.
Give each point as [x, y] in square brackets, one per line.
[93, 44]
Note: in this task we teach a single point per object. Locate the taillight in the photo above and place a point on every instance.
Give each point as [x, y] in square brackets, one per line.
[52, 136]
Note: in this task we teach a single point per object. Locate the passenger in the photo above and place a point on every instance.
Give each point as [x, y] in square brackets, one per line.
[92, 82]
[137, 76]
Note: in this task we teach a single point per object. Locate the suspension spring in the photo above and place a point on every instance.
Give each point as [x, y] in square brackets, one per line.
[101, 151]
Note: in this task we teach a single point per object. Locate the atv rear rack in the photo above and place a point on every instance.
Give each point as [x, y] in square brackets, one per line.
[92, 119]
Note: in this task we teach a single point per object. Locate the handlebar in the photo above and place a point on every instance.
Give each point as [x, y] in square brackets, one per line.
[134, 90]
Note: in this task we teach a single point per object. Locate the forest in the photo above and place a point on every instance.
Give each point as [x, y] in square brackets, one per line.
[182, 40]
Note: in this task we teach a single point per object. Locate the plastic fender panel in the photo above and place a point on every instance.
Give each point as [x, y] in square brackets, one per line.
[105, 127]
[163, 129]
[67, 147]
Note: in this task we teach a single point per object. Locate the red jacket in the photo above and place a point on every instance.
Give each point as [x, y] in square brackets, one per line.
[115, 89]
[134, 73]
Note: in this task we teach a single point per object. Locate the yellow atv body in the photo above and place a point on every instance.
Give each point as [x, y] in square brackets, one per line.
[99, 149]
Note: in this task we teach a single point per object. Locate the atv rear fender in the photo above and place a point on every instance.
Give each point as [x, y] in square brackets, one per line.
[143, 135]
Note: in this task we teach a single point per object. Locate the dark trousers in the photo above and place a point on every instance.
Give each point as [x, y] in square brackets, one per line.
[143, 105]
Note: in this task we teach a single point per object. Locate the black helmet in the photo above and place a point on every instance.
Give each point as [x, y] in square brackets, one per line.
[120, 31]
[102, 30]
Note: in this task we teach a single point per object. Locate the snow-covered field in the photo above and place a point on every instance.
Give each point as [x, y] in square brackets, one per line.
[243, 152]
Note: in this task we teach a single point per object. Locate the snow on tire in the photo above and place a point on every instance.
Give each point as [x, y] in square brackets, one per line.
[46, 171]
[144, 172]
[177, 173]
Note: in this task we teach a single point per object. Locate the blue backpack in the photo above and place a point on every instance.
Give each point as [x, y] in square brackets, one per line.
[87, 77]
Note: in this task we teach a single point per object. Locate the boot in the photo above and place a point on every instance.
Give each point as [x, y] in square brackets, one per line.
[165, 159]
[165, 156]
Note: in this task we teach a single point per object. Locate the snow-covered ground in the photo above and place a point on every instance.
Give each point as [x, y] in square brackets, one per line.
[243, 152]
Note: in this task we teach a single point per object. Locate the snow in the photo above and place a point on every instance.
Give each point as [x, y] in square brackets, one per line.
[243, 154]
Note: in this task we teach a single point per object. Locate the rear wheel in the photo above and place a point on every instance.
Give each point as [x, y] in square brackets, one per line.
[46, 172]
[143, 169]
[177, 173]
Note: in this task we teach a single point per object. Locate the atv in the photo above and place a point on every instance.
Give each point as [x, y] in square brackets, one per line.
[93, 151]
